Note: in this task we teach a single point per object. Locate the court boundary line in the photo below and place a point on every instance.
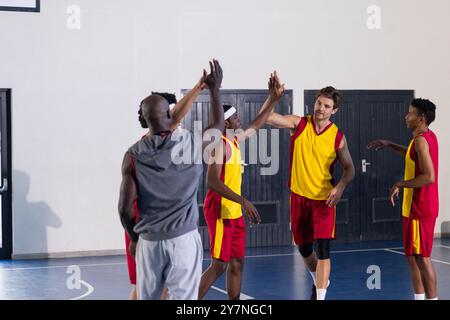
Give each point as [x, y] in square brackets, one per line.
[60, 267]
[91, 289]
[432, 259]
[243, 296]
[87, 293]
[208, 259]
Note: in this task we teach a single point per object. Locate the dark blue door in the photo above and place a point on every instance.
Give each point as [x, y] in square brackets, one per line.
[5, 178]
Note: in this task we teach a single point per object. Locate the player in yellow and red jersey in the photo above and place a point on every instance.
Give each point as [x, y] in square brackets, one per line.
[420, 195]
[224, 203]
[316, 145]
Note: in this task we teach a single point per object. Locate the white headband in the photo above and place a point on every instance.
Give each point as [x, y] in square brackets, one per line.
[229, 113]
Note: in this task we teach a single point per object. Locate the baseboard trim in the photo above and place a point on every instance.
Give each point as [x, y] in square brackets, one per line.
[73, 254]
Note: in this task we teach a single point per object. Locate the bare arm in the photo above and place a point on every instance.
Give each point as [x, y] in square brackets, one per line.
[380, 144]
[127, 197]
[345, 160]
[276, 91]
[216, 184]
[425, 164]
[281, 121]
[427, 174]
[185, 104]
[214, 81]
[277, 120]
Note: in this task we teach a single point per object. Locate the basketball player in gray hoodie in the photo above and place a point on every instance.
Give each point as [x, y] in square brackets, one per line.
[169, 249]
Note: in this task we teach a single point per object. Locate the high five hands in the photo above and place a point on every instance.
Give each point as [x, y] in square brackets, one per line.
[213, 81]
[276, 89]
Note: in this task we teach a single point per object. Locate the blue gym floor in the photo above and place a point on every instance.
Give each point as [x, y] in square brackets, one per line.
[275, 273]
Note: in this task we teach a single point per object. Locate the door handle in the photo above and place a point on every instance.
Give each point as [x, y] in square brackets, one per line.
[4, 186]
[364, 165]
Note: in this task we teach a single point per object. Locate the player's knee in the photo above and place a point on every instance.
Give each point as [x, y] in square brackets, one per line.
[411, 260]
[323, 249]
[421, 261]
[305, 250]
[236, 265]
[219, 266]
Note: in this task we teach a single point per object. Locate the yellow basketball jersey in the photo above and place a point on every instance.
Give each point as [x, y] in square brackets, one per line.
[313, 156]
[231, 176]
[423, 202]
[410, 172]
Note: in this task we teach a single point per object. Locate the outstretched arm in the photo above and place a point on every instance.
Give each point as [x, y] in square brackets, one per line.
[214, 81]
[426, 167]
[276, 91]
[127, 197]
[345, 160]
[281, 121]
[185, 104]
[380, 144]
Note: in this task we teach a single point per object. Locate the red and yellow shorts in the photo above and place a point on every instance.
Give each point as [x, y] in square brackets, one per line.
[311, 220]
[418, 236]
[227, 238]
[131, 263]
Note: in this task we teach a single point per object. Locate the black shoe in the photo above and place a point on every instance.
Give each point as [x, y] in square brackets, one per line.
[313, 293]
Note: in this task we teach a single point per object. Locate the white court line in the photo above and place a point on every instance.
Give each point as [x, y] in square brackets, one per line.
[206, 259]
[58, 267]
[337, 251]
[402, 253]
[256, 256]
[364, 250]
[90, 291]
[271, 255]
[242, 297]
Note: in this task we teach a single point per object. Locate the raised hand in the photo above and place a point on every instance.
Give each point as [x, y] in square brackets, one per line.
[201, 83]
[276, 89]
[214, 80]
[378, 144]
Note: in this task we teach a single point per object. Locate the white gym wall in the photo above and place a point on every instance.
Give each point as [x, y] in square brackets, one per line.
[76, 91]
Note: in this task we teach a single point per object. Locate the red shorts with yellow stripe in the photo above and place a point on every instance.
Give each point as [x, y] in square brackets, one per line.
[131, 262]
[418, 236]
[311, 220]
[227, 238]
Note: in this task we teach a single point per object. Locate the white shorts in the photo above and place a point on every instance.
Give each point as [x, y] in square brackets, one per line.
[174, 263]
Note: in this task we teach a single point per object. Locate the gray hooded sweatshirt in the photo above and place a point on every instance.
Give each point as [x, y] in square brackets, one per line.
[166, 189]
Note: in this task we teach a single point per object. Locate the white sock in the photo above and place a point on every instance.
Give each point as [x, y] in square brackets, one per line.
[321, 293]
[313, 276]
[433, 299]
[419, 296]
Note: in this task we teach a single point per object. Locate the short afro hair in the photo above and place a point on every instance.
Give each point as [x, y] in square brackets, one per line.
[426, 108]
[170, 97]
